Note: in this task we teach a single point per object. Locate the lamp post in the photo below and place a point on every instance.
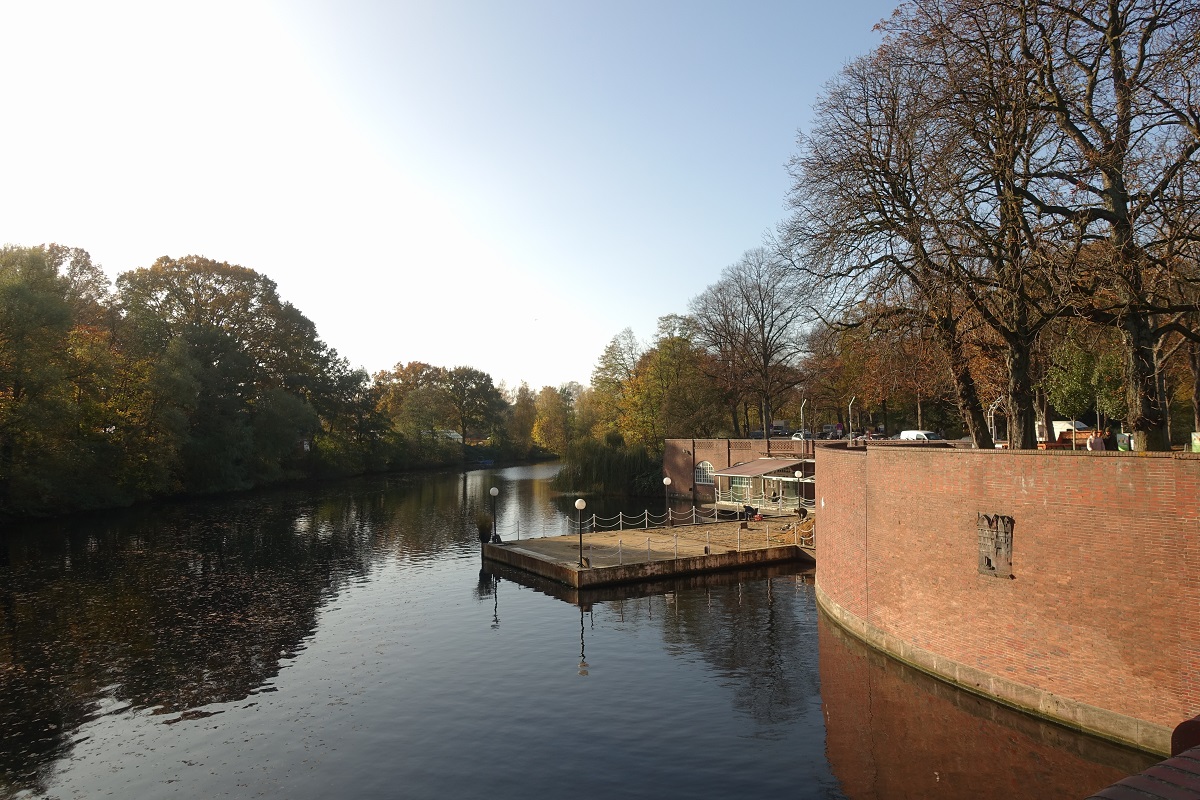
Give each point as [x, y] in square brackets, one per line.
[580, 505]
[799, 498]
[667, 498]
[583, 664]
[493, 492]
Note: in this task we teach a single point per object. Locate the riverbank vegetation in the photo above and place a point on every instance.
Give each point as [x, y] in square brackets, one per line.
[193, 376]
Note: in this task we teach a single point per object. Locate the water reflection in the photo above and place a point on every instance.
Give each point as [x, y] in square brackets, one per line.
[895, 732]
[754, 628]
[186, 605]
[359, 620]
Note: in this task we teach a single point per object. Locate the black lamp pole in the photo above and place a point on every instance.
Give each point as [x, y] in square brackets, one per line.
[579, 506]
[493, 492]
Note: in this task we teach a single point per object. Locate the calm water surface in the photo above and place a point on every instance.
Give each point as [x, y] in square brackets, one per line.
[345, 642]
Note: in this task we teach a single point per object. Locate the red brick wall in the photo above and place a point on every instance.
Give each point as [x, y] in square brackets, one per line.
[1103, 606]
[680, 457]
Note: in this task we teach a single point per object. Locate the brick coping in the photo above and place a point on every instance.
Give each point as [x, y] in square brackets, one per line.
[1093, 720]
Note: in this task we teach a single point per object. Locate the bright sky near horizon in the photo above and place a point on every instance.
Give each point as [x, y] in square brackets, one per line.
[503, 185]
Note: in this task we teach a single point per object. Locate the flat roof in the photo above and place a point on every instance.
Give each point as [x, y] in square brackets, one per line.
[762, 466]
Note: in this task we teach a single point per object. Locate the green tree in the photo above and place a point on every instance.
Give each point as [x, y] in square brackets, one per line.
[611, 379]
[223, 331]
[476, 403]
[553, 426]
[521, 419]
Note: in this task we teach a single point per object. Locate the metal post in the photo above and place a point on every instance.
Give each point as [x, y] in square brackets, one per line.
[647, 548]
[495, 525]
[620, 554]
[580, 505]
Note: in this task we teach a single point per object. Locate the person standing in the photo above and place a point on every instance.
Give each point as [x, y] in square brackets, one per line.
[1095, 441]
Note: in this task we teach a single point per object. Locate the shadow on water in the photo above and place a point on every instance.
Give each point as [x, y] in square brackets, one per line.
[175, 607]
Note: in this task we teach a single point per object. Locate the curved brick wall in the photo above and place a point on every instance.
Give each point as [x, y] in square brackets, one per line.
[1099, 628]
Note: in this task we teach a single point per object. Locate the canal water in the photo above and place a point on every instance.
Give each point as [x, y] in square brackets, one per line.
[344, 641]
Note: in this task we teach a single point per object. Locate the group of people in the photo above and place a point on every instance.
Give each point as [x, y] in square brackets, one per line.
[1105, 441]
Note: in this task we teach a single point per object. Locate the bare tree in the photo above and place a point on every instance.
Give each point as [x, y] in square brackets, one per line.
[753, 320]
[1120, 78]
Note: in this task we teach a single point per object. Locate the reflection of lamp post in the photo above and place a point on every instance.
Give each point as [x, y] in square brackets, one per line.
[580, 505]
[583, 664]
[493, 492]
[667, 497]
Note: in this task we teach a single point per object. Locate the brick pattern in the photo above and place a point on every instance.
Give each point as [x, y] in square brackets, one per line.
[1106, 566]
[680, 457]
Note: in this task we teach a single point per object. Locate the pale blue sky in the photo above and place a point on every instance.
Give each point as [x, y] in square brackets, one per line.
[504, 185]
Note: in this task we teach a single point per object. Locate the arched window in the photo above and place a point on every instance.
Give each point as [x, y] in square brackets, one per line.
[704, 474]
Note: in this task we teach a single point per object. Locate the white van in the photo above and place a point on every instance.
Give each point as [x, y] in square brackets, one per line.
[920, 436]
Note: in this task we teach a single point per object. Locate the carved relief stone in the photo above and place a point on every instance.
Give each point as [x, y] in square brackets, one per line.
[995, 545]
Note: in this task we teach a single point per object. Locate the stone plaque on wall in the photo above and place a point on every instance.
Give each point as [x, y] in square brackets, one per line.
[995, 545]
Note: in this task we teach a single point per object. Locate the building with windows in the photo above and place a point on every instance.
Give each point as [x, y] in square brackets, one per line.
[734, 473]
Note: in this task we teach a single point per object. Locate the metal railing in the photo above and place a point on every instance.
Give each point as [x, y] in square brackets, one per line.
[763, 501]
[801, 533]
[787, 529]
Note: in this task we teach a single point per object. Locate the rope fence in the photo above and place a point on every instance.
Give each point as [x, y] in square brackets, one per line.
[660, 548]
[783, 530]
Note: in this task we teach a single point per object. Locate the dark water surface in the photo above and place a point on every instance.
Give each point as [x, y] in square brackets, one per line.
[344, 642]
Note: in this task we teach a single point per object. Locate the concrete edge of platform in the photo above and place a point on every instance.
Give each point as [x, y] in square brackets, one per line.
[1128, 731]
[588, 577]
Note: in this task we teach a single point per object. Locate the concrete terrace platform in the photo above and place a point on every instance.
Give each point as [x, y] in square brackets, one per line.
[637, 555]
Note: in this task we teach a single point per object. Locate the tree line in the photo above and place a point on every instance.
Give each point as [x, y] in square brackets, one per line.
[193, 376]
[1015, 182]
[994, 220]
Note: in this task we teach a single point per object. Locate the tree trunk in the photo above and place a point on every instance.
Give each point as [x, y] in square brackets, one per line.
[1194, 363]
[1022, 431]
[1146, 421]
[965, 392]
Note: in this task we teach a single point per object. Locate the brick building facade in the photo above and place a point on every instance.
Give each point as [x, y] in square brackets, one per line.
[682, 457]
[1097, 624]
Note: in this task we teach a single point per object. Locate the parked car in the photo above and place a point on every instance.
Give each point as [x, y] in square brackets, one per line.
[920, 436]
[802, 435]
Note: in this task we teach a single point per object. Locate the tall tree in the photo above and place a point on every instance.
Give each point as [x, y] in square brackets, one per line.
[611, 381]
[522, 416]
[753, 320]
[1119, 78]
[553, 426]
[477, 404]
